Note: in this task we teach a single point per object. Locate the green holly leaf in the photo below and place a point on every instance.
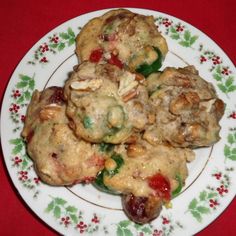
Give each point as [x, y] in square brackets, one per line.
[232, 88]
[173, 30]
[57, 212]
[60, 201]
[192, 205]
[74, 218]
[119, 231]
[197, 216]
[184, 43]
[232, 157]
[218, 69]
[174, 36]
[233, 151]
[24, 164]
[127, 232]
[193, 39]
[222, 88]
[227, 150]
[71, 209]
[71, 32]
[27, 95]
[138, 226]
[217, 77]
[211, 195]
[31, 84]
[146, 230]
[50, 206]
[229, 81]
[124, 223]
[17, 149]
[24, 77]
[61, 46]
[22, 84]
[53, 45]
[202, 195]
[187, 35]
[16, 141]
[64, 36]
[230, 139]
[203, 210]
[20, 100]
[71, 41]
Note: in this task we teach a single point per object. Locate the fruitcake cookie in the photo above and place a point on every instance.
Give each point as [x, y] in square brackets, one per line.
[187, 109]
[147, 174]
[123, 38]
[59, 157]
[105, 103]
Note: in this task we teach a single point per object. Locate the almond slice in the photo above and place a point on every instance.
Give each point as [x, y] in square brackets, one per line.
[127, 83]
[129, 96]
[93, 84]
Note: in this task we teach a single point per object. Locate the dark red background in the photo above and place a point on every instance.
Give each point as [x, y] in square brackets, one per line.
[23, 23]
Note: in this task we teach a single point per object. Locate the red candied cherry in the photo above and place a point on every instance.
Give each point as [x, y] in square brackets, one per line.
[96, 55]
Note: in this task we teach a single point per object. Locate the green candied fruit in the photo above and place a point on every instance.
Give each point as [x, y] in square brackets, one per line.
[180, 186]
[146, 69]
[87, 122]
[106, 147]
[108, 171]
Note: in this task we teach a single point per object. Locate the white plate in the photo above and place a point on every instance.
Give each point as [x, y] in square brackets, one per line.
[211, 184]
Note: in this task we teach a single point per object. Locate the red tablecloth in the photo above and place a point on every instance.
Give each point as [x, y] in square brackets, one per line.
[23, 23]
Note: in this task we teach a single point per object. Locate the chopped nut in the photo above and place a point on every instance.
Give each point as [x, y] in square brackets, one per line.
[87, 85]
[129, 96]
[151, 118]
[208, 104]
[127, 83]
[135, 150]
[49, 112]
[131, 139]
[139, 77]
[107, 55]
[110, 164]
